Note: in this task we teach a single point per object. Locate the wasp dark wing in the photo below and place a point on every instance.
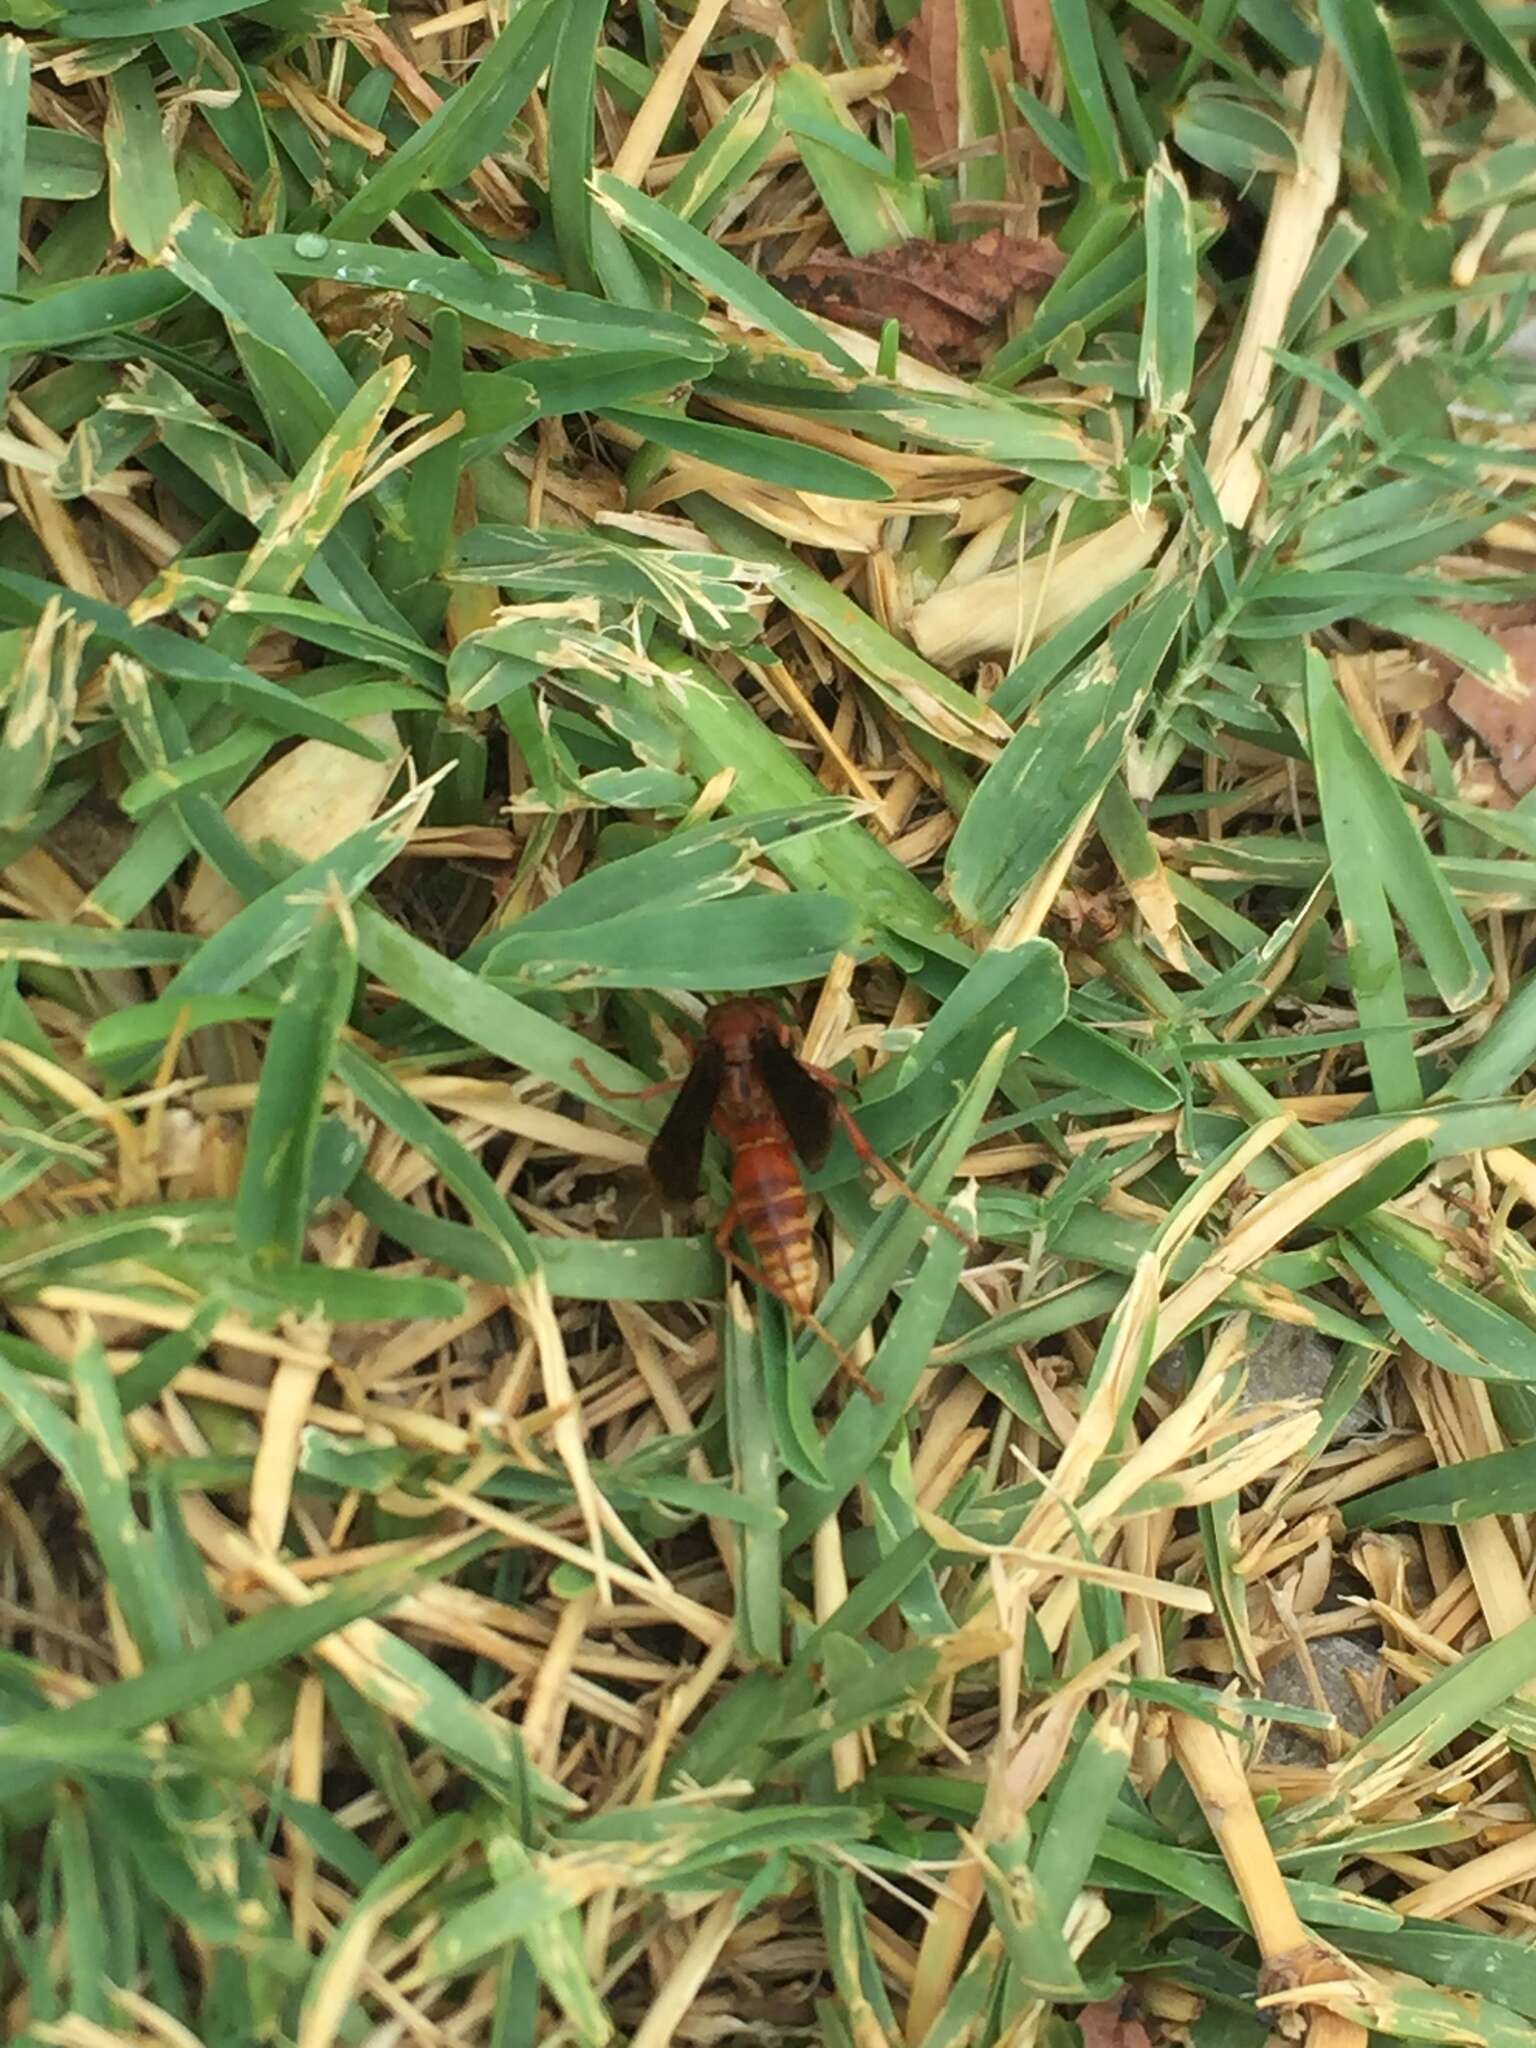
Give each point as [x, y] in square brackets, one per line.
[677, 1150]
[802, 1101]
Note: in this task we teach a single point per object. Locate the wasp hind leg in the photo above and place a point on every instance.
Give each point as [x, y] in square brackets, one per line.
[871, 1161]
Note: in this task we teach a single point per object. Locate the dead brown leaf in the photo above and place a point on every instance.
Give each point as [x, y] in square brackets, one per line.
[927, 92]
[1108, 2025]
[1030, 21]
[1492, 618]
[945, 294]
[1506, 725]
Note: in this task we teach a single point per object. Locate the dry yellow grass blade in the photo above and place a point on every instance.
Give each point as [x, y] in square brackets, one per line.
[1273, 1218]
[1301, 206]
[1294, 1960]
[640, 145]
[1205, 1199]
[983, 615]
[1501, 1869]
[134, 1312]
[97, 1109]
[1049, 1524]
[1090, 1571]
[307, 802]
[686, 1976]
[1025, 918]
[702, 1622]
[287, 1416]
[1018, 1771]
[347, 1960]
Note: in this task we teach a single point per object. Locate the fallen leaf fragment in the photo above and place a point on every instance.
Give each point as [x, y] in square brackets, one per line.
[1030, 21]
[1493, 619]
[944, 294]
[1505, 724]
[1108, 2025]
[927, 91]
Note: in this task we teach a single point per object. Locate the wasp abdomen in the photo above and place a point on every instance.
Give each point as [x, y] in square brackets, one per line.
[771, 1205]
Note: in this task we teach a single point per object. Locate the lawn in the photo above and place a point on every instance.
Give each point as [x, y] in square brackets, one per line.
[1005, 530]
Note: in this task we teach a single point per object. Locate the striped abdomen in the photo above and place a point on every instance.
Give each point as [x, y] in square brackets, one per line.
[770, 1203]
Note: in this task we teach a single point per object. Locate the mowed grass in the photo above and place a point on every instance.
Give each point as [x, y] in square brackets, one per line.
[462, 610]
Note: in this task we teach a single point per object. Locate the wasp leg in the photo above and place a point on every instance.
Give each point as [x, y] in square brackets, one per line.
[647, 1094]
[871, 1161]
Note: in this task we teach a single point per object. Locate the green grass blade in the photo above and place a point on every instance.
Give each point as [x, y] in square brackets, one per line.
[273, 1204]
[1378, 856]
[141, 172]
[15, 80]
[1058, 764]
[468, 126]
[1167, 364]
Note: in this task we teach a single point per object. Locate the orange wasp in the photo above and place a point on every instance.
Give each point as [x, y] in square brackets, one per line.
[767, 1105]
